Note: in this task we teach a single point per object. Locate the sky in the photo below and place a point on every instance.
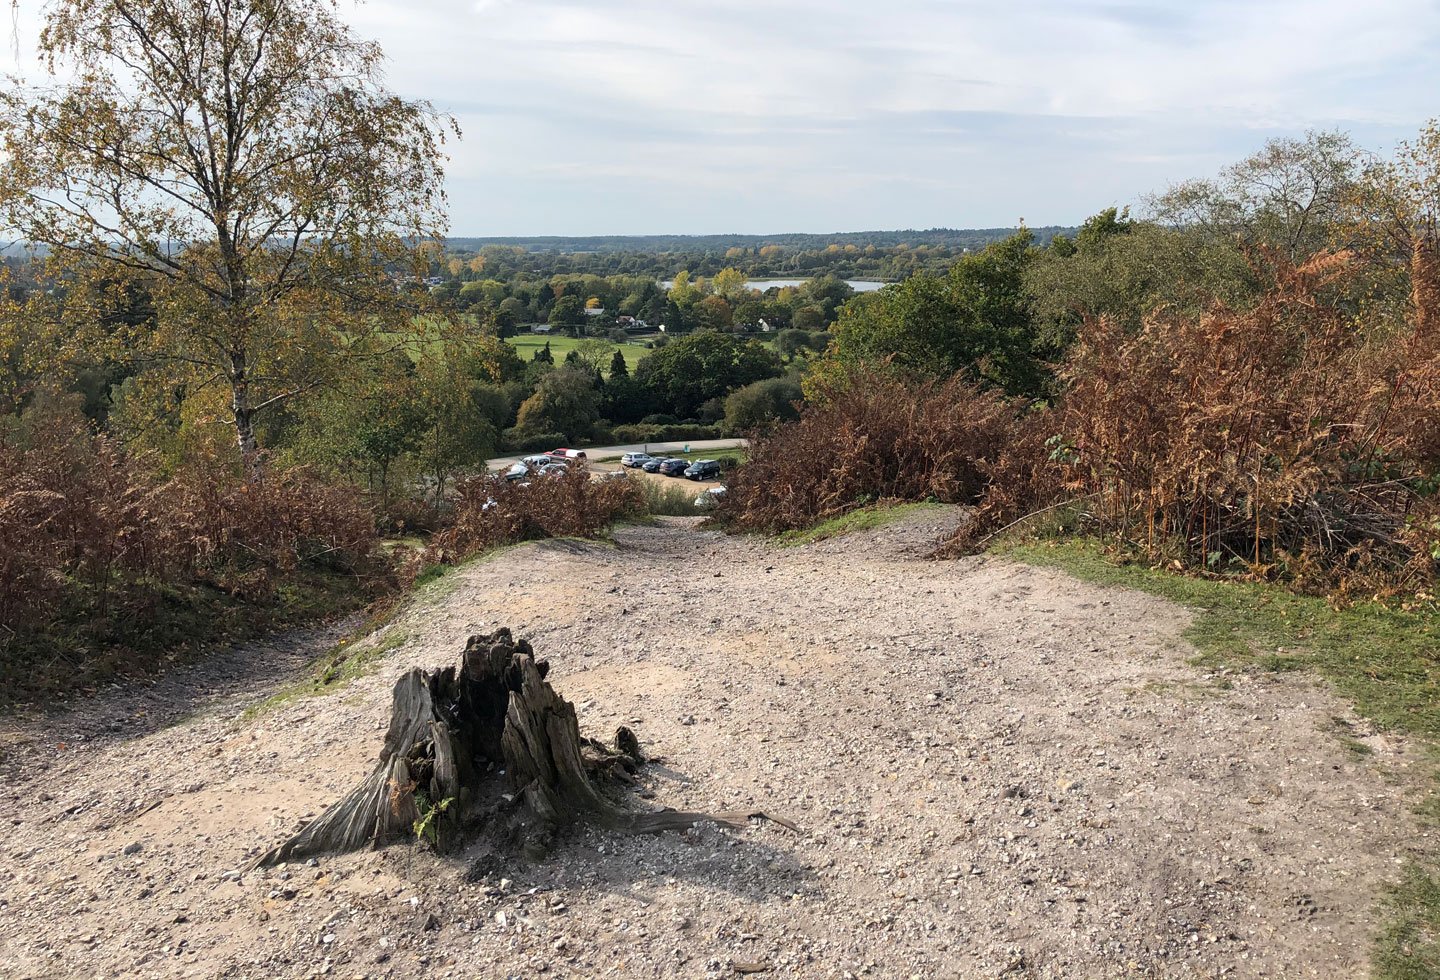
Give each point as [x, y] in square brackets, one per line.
[584, 117]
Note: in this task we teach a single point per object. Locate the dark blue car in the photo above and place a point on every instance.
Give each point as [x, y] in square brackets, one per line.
[673, 467]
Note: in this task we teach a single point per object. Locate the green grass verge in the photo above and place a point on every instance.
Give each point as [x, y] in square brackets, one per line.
[864, 519]
[1386, 662]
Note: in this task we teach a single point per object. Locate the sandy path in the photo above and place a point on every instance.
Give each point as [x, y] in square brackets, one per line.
[997, 771]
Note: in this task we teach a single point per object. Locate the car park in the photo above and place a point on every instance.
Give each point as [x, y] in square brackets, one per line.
[673, 467]
[635, 460]
[653, 464]
[703, 469]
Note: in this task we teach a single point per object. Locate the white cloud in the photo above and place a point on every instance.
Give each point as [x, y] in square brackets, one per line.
[614, 115]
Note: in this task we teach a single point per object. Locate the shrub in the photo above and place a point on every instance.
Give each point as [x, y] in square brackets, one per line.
[666, 499]
[761, 404]
[81, 522]
[243, 534]
[520, 440]
[630, 434]
[875, 437]
[490, 511]
[1285, 438]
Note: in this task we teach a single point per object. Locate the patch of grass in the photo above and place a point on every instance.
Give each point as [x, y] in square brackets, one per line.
[527, 344]
[1409, 948]
[431, 573]
[1386, 662]
[863, 519]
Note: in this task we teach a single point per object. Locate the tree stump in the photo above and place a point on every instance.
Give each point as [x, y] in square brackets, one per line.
[489, 745]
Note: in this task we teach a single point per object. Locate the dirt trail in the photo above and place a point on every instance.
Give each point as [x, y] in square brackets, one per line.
[997, 770]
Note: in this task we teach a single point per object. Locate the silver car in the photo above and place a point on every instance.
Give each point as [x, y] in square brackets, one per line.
[635, 460]
[710, 499]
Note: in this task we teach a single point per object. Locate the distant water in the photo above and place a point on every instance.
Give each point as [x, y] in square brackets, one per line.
[859, 285]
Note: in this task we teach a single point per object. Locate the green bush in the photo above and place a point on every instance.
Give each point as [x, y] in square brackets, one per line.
[521, 441]
[627, 434]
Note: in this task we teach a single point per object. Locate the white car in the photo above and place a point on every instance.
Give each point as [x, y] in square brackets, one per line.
[635, 460]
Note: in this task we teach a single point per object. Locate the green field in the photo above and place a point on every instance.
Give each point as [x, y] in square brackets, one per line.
[527, 344]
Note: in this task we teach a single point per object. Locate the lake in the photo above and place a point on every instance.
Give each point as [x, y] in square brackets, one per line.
[859, 285]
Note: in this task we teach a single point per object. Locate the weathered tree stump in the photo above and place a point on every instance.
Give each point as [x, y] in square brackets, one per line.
[490, 745]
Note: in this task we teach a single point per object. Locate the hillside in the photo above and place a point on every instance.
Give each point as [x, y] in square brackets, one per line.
[994, 768]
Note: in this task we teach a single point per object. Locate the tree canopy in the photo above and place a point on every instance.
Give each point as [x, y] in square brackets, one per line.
[691, 370]
[244, 161]
[974, 320]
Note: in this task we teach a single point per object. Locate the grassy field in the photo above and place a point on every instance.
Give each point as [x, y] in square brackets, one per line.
[527, 344]
[1384, 661]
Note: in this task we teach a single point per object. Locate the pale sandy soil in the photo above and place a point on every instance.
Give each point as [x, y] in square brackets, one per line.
[997, 771]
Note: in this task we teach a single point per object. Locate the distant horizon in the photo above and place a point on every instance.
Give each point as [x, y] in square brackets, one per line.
[7, 244]
[791, 232]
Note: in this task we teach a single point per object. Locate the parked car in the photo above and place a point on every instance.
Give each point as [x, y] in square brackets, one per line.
[554, 469]
[635, 460]
[519, 471]
[703, 469]
[569, 453]
[673, 467]
[710, 499]
[535, 462]
[653, 464]
[611, 475]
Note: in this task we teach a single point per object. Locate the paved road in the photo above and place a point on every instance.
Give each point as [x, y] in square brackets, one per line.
[698, 447]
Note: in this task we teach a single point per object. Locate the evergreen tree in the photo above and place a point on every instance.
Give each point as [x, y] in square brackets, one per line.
[543, 355]
[618, 367]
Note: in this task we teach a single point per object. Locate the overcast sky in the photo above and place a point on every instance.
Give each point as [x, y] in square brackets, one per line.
[638, 116]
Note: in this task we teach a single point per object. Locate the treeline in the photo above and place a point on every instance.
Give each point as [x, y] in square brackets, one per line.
[1246, 382]
[882, 256]
[973, 238]
[591, 305]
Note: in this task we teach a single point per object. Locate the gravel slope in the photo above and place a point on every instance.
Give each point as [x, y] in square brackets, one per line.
[997, 771]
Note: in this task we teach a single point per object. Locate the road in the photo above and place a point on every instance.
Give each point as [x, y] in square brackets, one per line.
[698, 447]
